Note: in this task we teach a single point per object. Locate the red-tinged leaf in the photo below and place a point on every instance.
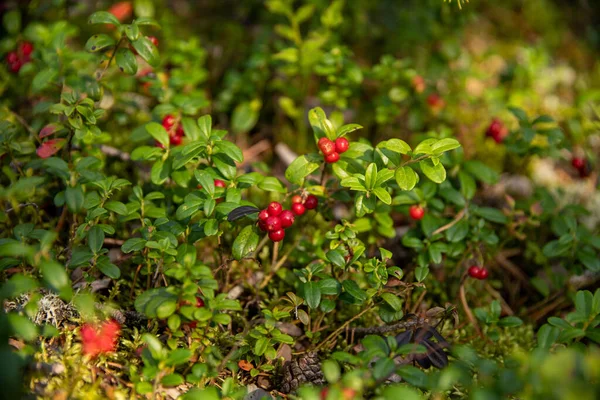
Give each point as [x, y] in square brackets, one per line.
[49, 130]
[50, 147]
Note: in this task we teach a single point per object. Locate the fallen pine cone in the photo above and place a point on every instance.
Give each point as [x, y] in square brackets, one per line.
[303, 369]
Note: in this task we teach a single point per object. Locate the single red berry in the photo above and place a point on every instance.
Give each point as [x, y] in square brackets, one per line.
[262, 225]
[287, 218]
[474, 271]
[153, 39]
[277, 236]
[12, 57]
[26, 48]
[159, 144]
[298, 208]
[219, 183]
[16, 66]
[263, 215]
[326, 146]
[273, 224]
[483, 274]
[324, 393]
[416, 212]
[199, 302]
[332, 158]
[179, 131]
[274, 209]
[311, 202]
[168, 121]
[341, 145]
[435, 101]
[578, 163]
[175, 140]
[296, 199]
[497, 131]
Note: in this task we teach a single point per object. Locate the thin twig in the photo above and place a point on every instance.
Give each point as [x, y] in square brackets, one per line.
[449, 225]
[470, 316]
[341, 328]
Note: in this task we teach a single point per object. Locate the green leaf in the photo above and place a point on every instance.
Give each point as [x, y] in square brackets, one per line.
[346, 129]
[95, 238]
[437, 173]
[103, 17]
[320, 124]
[132, 31]
[179, 357]
[146, 50]
[583, 302]
[206, 181]
[383, 195]
[302, 167]
[205, 124]
[383, 368]
[99, 42]
[491, 214]
[55, 275]
[353, 290]
[225, 165]
[330, 287]
[172, 380]
[245, 243]
[133, 244]
[481, 171]
[231, 150]
[371, 176]
[158, 132]
[394, 301]
[444, 145]
[12, 21]
[396, 145]
[312, 294]
[107, 268]
[406, 178]
[547, 335]
[519, 114]
[126, 61]
[22, 327]
[245, 115]
[74, 198]
[261, 346]
[336, 257]
[42, 79]
[116, 207]
[160, 171]
[467, 185]
[272, 184]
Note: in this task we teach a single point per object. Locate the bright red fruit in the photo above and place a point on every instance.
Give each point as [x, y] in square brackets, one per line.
[16, 66]
[324, 393]
[12, 57]
[497, 131]
[578, 163]
[332, 158]
[102, 339]
[274, 209]
[219, 183]
[179, 131]
[168, 121]
[311, 202]
[341, 145]
[153, 39]
[326, 146]
[277, 236]
[122, 10]
[199, 302]
[298, 208]
[263, 215]
[296, 199]
[262, 225]
[474, 271]
[435, 101]
[287, 218]
[416, 212]
[175, 140]
[483, 274]
[26, 48]
[273, 224]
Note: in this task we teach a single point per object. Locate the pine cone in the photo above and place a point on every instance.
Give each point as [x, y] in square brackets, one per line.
[303, 369]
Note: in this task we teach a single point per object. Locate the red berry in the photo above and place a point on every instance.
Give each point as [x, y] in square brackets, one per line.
[311, 202]
[474, 271]
[287, 218]
[175, 140]
[274, 209]
[12, 57]
[262, 225]
[296, 199]
[159, 144]
[578, 163]
[483, 274]
[16, 66]
[199, 302]
[416, 212]
[341, 145]
[153, 40]
[219, 183]
[497, 131]
[326, 146]
[277, 236]
[324, 393]
[179, 131]
[26, 48]
[168, 121]
[332, 158]
[263, 215]
[273, 224]
[298, 208]
[435, 101]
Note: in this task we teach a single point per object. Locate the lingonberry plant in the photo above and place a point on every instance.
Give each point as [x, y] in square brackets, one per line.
[245, 200]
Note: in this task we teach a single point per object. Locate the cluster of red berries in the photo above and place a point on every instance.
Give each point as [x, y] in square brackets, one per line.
[100, 339]
[478, 272]
[580, 164]
[416, 212]
[16, 59]
[275, 220]
[332, 150]
[497, 131]
[175, 133]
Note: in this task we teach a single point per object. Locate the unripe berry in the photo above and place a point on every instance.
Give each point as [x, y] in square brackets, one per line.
[273, 224]
[274, 209]
[298, 208]
[277, 236]
[219, 183]
[332, 158]
[341, 145]
[287, 218]
[326, 146]
[296, 199]
[416, 212]
[311, 202]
